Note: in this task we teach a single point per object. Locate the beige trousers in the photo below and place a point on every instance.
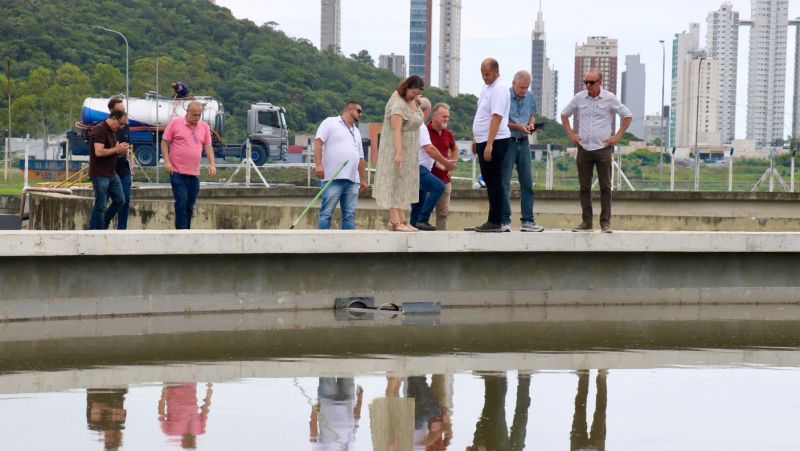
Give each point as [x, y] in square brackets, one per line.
[443, 207]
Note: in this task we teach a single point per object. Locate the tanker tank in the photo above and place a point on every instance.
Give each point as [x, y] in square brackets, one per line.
[152, 111]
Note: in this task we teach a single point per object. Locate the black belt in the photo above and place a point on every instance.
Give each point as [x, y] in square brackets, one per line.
[519, 139]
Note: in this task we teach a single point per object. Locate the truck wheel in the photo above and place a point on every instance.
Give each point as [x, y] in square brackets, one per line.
[145, 155]
[260, 154]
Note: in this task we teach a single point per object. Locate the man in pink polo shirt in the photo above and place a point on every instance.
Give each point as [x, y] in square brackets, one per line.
[182, 149]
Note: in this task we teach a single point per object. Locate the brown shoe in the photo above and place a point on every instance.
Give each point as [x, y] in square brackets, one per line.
[606, 229]
[584, 227]
[489, 228]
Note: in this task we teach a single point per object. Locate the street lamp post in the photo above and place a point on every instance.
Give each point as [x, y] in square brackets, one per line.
[8, 140]
[127, 49]
[663, 138]
[697, 129]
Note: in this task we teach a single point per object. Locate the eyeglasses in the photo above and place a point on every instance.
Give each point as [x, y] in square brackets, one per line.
[358, 111]
[590, 82]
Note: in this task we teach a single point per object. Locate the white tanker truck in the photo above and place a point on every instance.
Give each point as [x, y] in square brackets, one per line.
[266, 127]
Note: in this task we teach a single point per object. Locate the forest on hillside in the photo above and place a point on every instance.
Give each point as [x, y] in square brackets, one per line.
[58, 58]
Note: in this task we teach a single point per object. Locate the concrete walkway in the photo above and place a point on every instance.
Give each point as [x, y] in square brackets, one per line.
[235, 242]
[60, 275]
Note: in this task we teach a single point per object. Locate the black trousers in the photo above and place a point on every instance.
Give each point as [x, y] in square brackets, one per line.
[492, 172]
[586, 162]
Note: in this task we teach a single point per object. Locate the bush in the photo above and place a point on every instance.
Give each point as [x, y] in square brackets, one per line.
[644, 157]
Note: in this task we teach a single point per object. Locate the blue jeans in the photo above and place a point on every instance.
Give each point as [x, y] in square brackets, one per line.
[185, 189]
[519, 154]
[431, 189]
[105, 188]
[122, 215]
[340, 191]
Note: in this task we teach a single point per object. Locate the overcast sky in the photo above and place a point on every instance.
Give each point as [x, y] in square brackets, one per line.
[502, 29]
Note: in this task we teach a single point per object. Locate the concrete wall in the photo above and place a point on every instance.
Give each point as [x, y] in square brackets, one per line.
[68, 274]
[9, 204]
[61, 355]
[278, 207]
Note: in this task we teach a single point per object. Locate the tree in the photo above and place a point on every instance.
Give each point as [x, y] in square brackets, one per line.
[3, 87]
[216, 54]
[108, 80]
[363, 57]
[169, 71]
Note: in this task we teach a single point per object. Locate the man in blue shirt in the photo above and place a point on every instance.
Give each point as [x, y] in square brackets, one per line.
[521, 118]
[181, 90]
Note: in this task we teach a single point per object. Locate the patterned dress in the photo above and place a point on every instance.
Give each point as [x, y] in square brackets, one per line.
[398, 188]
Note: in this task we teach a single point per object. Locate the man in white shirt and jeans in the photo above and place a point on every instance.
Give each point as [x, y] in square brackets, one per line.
[338, 140]
[491, 140]
[594, 109]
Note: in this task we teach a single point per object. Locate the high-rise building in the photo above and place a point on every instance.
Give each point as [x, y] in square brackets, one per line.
[722, 44]
[697, 116]
[549, 106]
[331, 25]
[633, 91]
[539, 64]
[766, 83]
[796, 95]
[419, 52]
[599, 52]
[652, 130]
[684, 47]
[394, 63]
[544, 77]
[450, 45]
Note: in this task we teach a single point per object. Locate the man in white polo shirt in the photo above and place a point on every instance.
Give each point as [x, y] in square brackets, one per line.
[338, 141]
[431, 187]
[491, 140]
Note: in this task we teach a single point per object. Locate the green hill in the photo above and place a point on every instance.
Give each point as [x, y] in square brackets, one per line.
[58, 59]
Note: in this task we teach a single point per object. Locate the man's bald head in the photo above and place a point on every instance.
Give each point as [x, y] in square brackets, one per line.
[490, 70]
[595, 73]
[194, 111]
[490, 63]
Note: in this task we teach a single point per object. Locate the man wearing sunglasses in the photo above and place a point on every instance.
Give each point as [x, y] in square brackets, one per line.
[594, 108]
[338, 141]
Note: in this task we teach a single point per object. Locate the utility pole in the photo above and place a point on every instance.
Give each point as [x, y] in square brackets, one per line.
[8, 139]
[697, 128]
[661, 129]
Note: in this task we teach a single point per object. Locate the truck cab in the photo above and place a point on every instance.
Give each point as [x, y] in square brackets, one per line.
[268, 132]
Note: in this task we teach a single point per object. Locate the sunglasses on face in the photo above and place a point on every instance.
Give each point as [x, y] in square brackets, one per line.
[590, 82]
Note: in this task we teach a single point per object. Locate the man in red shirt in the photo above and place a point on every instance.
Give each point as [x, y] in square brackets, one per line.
[443, 140]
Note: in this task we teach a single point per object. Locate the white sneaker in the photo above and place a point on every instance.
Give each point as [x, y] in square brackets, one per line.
[505, 227]
[530, 226]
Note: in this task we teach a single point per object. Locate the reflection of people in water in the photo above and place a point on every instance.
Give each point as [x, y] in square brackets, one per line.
[429, 432]
[179, 415]
[579, 437]
[442, 386]
[392, 419]
[105, 413]
[491, 432]
[334, 420]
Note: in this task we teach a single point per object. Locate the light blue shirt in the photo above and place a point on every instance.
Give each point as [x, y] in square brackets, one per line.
[521, 111]
[594, 117]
